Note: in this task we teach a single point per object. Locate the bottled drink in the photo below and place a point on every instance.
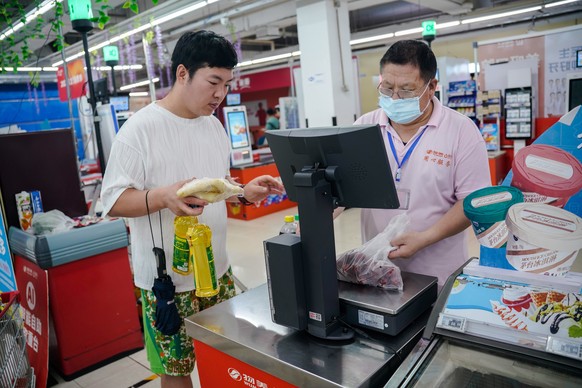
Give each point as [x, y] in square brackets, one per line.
[181, 256]
[200, 240]
[289, 226]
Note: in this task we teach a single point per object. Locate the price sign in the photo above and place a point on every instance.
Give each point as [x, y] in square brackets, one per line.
[564, 347]
[451, 322]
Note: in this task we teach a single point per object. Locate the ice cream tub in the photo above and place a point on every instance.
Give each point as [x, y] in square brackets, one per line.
[542, 239]
[546, 174]
[486, 209]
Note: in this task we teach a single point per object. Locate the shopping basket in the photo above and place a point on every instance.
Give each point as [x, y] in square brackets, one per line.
[15, 370]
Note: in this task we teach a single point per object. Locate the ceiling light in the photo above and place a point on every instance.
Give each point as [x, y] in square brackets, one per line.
[408, 32]
[138, 84]
[42, 8]
[119, 67]
[138, 94]
[371, 38]
[180, 12]
[440, 26]
[557, 3]
[501, 15]
[46, 68]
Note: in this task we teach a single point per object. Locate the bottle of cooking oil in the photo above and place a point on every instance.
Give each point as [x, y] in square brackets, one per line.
[200, 240]
[181, 259]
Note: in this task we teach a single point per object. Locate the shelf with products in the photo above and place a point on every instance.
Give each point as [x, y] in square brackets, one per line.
[461, 97]
[489, 111]
[518, 113]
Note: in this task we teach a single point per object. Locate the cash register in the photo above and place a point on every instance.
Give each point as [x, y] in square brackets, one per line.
[322, 169]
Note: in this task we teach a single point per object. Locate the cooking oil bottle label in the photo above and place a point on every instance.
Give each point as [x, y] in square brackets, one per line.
[211, 267]
[181, 259]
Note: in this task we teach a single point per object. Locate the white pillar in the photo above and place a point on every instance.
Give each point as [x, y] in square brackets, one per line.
[326, 63]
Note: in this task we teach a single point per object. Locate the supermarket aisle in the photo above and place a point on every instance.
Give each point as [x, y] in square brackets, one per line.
[245, 248]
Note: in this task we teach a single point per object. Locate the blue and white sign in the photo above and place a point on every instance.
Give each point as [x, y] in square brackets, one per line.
[7, 279]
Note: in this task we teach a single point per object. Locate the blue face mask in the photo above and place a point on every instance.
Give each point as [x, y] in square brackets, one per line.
[403, 110]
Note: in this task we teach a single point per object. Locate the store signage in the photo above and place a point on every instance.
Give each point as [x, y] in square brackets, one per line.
[33, 286]
[265, 80]
[110, 54]
[428, 28]
[7, 280]
[77, 78]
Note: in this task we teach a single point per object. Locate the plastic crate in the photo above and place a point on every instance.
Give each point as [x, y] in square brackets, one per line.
[15, 370]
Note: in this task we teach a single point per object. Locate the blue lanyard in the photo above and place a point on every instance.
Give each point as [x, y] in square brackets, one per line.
[406, 156]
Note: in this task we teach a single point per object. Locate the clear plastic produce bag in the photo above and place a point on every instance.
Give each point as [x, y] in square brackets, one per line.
[53, 221]
[369, 263]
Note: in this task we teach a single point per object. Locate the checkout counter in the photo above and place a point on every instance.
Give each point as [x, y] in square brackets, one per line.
[305, 328]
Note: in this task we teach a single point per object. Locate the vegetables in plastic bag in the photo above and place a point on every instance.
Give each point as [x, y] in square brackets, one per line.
[369, 263]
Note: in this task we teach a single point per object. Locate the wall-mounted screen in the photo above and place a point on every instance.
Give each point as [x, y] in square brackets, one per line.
[237, 124]
[233, 99]
[574, 93]
[579, 58]
[120, 103]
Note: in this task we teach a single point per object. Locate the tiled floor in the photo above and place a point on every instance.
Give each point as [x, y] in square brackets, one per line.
[245, 249]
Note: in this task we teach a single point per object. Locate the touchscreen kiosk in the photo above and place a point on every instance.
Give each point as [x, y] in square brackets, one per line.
[237, 127]
[321, 169]
[574, 92]
[120, 103]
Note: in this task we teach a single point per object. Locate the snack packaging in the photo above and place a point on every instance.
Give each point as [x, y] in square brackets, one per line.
[24, 208]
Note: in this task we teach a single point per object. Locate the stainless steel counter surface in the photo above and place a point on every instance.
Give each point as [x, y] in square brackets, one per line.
[242, 328]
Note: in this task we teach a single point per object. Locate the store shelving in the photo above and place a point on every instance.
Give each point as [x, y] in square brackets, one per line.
[518, 113]
[462, 96]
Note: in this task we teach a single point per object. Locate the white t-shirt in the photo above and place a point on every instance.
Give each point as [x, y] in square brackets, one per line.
[157, 148]
[448, 163]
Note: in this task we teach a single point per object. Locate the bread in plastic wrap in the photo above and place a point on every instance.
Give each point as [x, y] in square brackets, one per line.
[210, 189]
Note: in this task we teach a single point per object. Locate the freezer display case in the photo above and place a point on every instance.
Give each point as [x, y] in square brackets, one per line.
[487, 331]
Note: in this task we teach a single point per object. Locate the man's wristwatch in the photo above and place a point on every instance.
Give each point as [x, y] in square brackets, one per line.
[243, 200]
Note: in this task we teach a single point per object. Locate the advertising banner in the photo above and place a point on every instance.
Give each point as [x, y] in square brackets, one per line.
[77, 78]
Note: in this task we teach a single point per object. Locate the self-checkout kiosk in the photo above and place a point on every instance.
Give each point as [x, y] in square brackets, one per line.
[321, 169]
[237, 127]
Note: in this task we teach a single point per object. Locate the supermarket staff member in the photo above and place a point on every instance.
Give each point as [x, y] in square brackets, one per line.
[437, 156]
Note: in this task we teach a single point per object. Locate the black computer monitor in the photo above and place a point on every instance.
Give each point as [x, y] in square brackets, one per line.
[357, 153]
[101, 90]
[321, 168]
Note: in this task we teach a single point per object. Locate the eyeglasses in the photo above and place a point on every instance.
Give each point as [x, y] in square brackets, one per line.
[402, 94]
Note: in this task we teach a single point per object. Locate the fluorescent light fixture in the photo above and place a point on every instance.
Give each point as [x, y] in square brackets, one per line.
[119, 67]
[23, 69]
[557, 3]
[440, 26]
[269, 59]
[138, 94]
[46, 68]
[43, 8]
[408, 32]
[138, 84]
[372, 38]
[180, 12]
[502, 15]
[141, 28]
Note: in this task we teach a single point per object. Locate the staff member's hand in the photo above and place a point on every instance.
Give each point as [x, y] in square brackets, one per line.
[260, 187]
[407, 244]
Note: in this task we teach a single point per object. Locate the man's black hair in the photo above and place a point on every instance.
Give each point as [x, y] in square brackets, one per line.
[412, 52]
[199, 49]
[270, 111]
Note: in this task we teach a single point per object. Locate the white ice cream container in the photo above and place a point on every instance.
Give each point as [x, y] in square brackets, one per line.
[542, 239]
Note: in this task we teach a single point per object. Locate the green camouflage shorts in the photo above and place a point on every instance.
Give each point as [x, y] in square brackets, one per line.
[174, 355]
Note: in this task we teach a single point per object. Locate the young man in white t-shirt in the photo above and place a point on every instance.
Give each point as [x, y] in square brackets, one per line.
[161, 147]
[437, 156]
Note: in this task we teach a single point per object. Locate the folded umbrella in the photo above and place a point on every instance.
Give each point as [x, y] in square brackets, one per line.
[168, 319]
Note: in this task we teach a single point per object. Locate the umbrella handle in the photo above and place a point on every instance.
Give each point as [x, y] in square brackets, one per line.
[160, 261]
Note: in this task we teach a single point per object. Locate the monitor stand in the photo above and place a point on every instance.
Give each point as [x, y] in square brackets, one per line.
[316, 205]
